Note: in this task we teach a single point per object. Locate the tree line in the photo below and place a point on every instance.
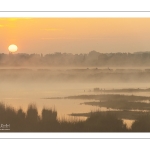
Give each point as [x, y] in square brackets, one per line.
[92, 58]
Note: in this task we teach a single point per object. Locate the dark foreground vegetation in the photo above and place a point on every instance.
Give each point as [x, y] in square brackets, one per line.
[30, 121]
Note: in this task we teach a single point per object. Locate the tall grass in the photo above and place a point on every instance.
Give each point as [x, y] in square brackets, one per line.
[30, 121]
[142, 124]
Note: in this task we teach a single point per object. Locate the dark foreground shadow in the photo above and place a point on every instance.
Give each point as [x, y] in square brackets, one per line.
[12, 120]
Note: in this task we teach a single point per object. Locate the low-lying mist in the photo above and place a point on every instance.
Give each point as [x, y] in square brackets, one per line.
[75, 75]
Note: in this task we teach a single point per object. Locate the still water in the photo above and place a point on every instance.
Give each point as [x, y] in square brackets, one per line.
[21, 94]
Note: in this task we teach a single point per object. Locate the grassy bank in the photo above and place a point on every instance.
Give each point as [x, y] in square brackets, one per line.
[30, 121]
[19, 121]
[116, 101]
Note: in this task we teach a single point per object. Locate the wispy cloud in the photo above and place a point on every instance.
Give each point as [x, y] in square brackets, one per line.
[51, 29]
[77, 38]
[47, 38]
[1, 25]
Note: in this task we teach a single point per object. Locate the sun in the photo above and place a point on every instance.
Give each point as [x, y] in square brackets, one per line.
[12, 48]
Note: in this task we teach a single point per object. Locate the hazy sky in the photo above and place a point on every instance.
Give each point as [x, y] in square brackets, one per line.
[75, 35]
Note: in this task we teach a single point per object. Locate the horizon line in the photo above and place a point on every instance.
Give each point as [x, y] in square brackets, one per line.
[79, 53]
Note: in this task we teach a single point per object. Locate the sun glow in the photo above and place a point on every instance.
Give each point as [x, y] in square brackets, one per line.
[12, 48]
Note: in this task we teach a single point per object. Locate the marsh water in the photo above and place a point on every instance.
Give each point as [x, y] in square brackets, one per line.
[20, 92]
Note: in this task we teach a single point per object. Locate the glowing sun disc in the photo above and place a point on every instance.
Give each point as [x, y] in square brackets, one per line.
[13, 48]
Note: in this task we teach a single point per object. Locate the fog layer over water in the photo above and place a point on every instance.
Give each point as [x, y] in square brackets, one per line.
[21, 87]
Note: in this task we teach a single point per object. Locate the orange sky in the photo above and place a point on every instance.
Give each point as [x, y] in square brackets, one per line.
[75, 35]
